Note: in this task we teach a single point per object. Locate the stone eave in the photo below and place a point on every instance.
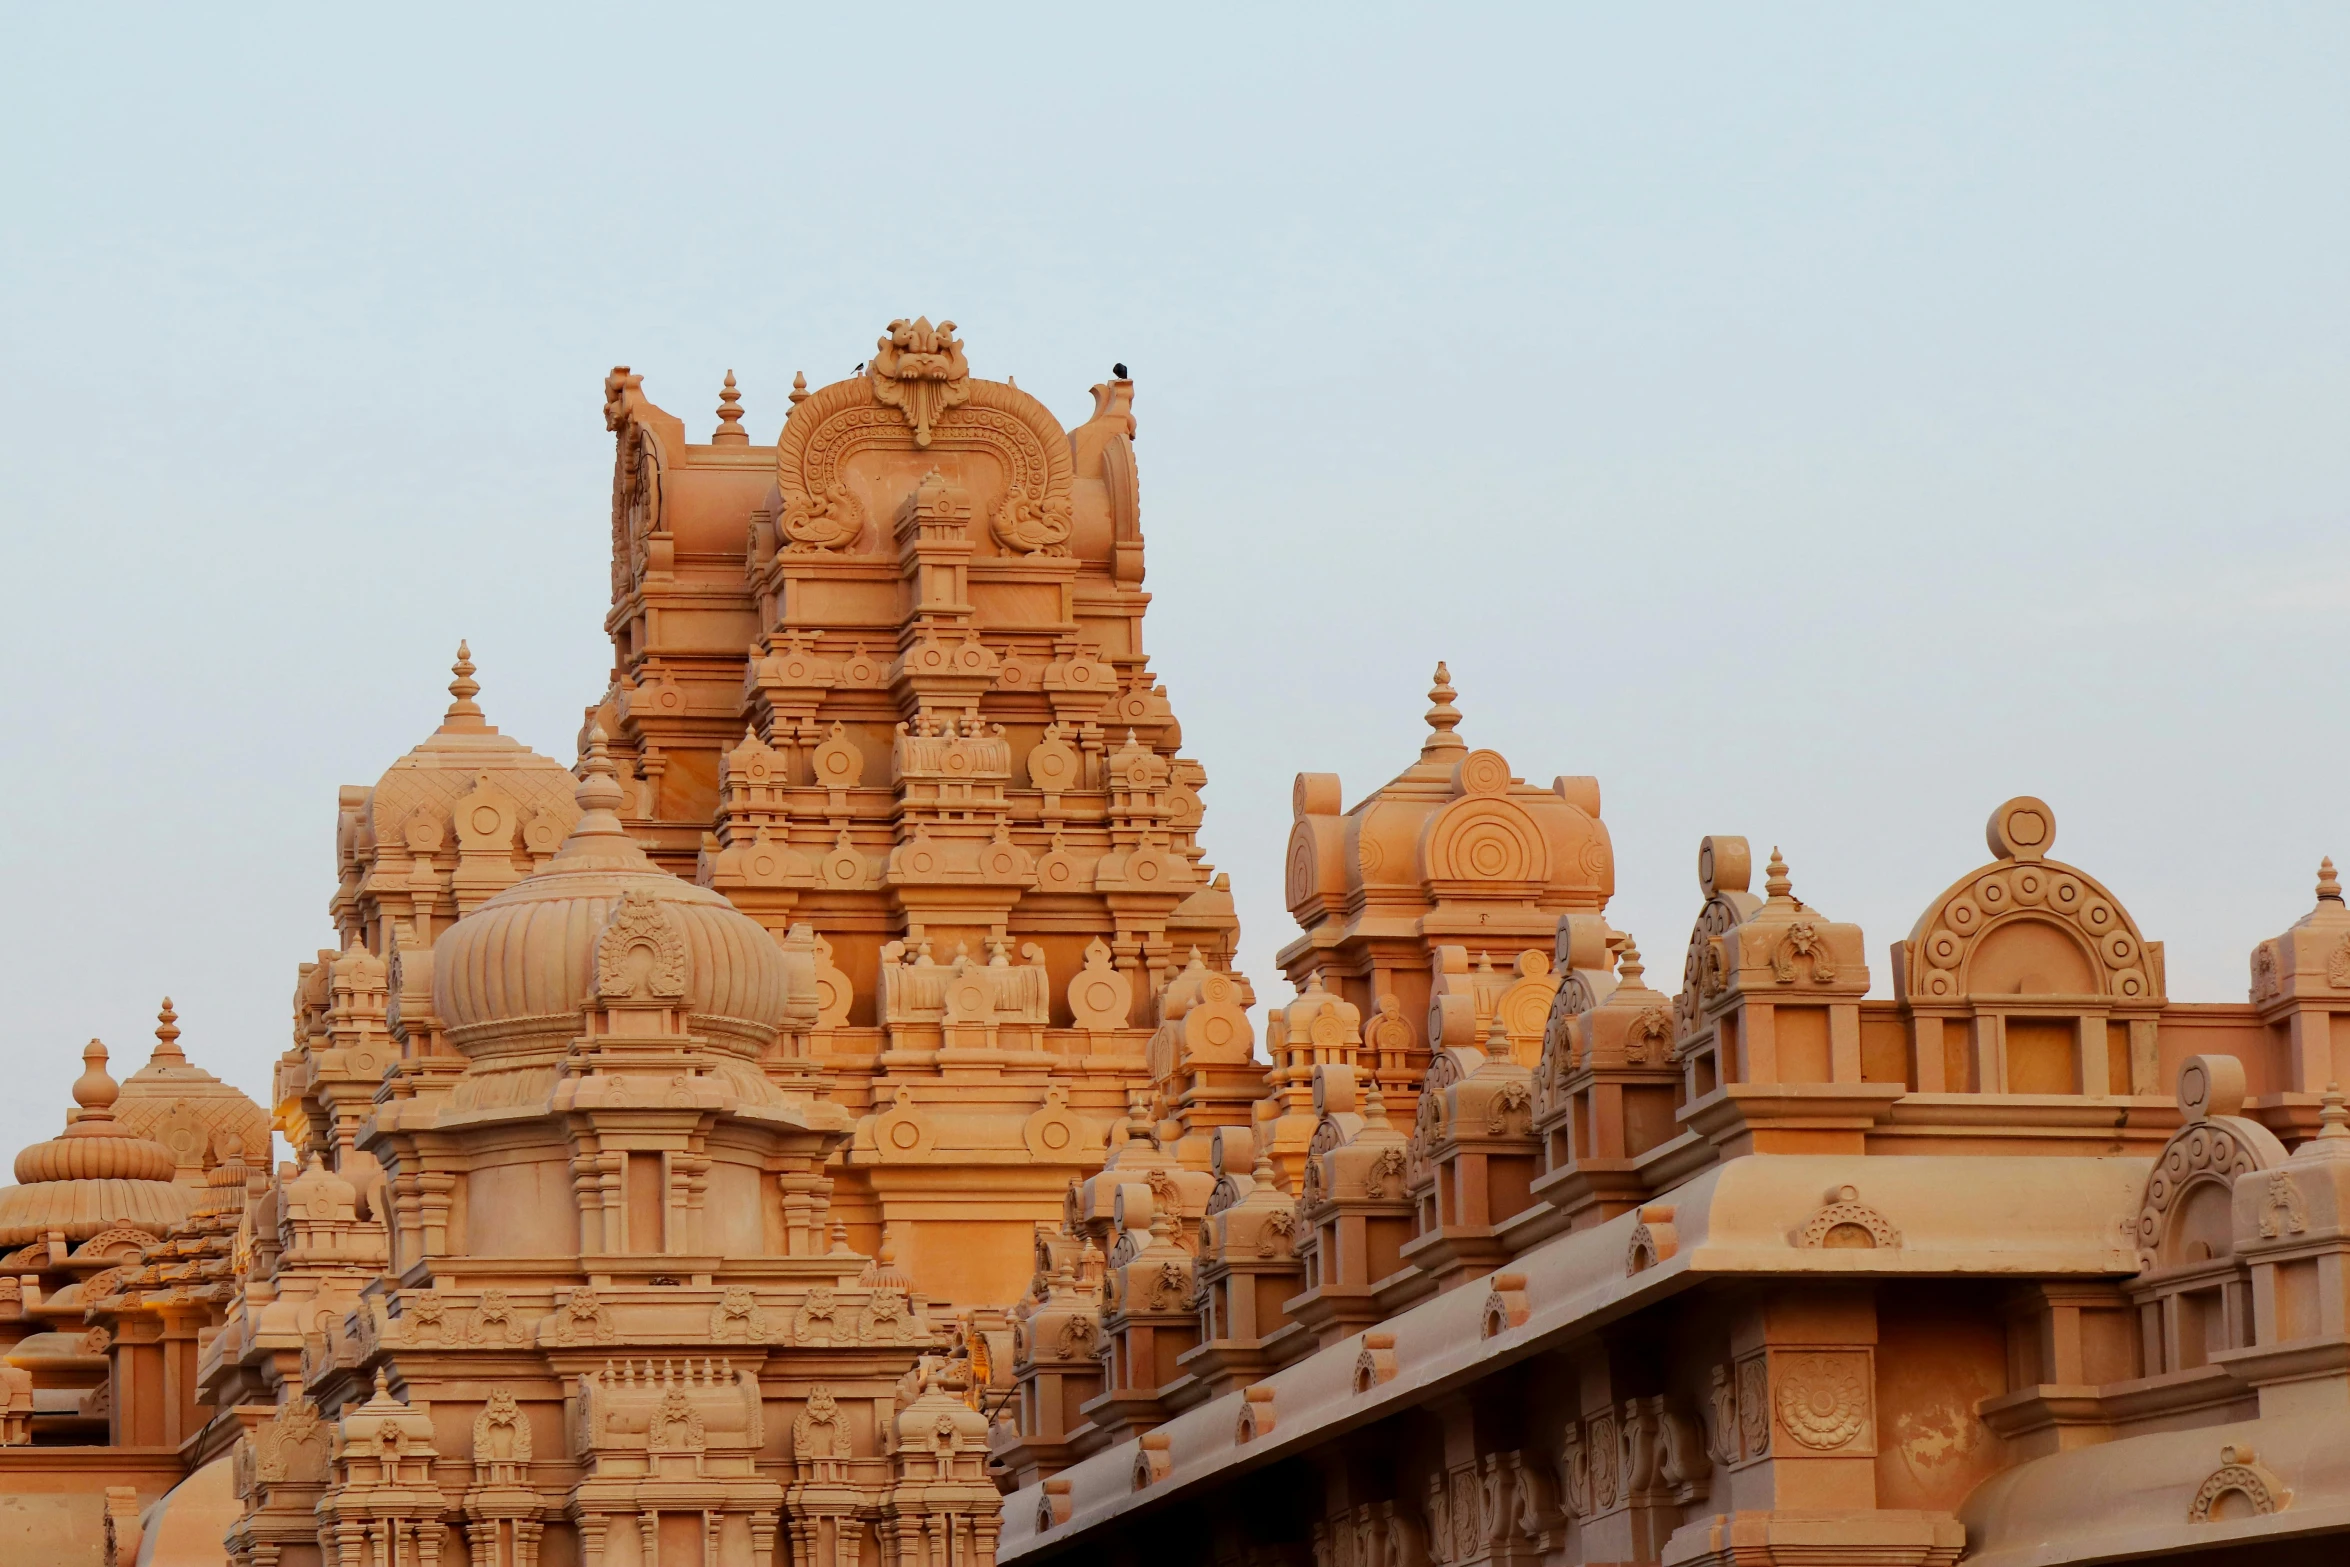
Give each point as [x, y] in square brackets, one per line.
[2032, 1217]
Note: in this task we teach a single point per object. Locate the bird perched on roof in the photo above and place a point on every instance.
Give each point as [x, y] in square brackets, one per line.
[1119, 371]
[860, 370]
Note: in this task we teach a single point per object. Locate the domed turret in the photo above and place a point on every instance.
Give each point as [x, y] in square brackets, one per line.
[473, 810]
[98, 1173]
[602, 921]
[198, 1118]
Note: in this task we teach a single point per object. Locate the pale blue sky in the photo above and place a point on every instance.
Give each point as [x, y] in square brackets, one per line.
[1819, 422]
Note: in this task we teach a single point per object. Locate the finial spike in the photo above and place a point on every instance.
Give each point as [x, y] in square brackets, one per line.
[464, 712]
[1629, 968]
[599, 783]
[1443, 717]
[2329, 885]
[1375, 1104]
[1776, 884]
[799, 387]
[730, 430]
[167, 1033]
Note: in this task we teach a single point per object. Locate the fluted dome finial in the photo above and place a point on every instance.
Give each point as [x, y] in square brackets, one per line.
[599, 782]
[598, 836]
[94, 1090]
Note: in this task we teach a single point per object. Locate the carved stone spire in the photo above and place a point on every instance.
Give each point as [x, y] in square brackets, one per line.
[730, 431]
[167, 1036]
[2329, 885]
[1443, 717]
[1775, 882]
[799, 387]
[464, 712]
[1629, 968]
[598, 834]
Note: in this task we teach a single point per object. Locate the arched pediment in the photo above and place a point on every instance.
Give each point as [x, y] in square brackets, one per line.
[2025, 925]
[1317, 859]
[2185, 1212]
[853, 452]
[1725, 870]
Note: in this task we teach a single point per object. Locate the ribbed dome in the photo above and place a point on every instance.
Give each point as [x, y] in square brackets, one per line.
[513, 974]
[99, 1173]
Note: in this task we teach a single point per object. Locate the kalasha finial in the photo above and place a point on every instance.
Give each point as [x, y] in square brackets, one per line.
[599, 782]
[2334, 1119]
[799, 387]
[1375, 1105]
[167, 1034]
[1775, 882]
[2329, 885]
[463, 689]
[1443, 717]
[1628, 965]
[730, 431]
[94, 1090]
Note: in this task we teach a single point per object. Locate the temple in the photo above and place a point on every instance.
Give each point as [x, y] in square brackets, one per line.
[822, 1125]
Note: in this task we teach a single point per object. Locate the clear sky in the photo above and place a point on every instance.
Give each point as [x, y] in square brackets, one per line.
[1820, 423]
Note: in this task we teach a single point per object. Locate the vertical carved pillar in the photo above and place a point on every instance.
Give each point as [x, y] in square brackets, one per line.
[1804, 1384]
[611, 1179]
[587, 1197]
[434, 1195]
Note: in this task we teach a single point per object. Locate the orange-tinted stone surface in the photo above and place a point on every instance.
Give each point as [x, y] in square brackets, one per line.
[824, 1127]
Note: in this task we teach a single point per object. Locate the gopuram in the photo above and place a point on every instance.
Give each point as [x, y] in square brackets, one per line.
[823, 1126]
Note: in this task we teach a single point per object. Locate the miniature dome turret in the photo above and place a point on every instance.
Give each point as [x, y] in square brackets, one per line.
[98, 1173]
[466, 797]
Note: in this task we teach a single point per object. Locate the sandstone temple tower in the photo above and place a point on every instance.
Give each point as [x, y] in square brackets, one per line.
[885, 678]
[822, 1126]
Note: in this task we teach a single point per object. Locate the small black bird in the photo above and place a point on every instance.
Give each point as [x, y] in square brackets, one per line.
[1119, 371]
[860, 370]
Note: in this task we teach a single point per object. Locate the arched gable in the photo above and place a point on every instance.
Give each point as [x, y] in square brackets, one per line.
[2028, 925]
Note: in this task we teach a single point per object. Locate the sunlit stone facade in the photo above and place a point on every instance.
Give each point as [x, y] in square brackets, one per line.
[823, 1126]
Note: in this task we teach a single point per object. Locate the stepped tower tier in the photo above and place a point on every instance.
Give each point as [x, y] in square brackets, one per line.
[1450, 896]
[885, 678]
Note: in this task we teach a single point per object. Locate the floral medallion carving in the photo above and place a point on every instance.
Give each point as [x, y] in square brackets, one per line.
[1823, 1398]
